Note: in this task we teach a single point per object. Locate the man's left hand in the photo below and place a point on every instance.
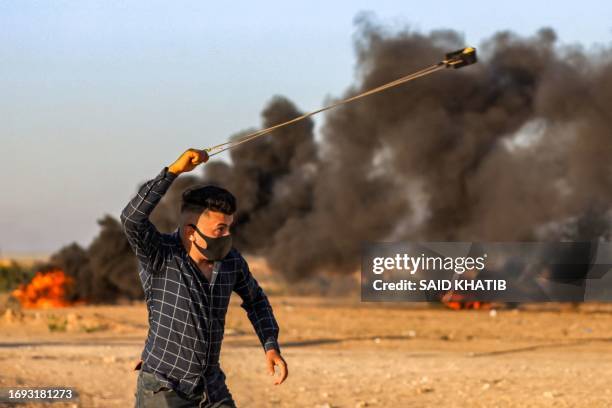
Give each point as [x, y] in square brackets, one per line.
[273, 358]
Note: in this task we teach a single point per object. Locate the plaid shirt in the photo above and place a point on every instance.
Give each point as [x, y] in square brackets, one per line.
[186, 312]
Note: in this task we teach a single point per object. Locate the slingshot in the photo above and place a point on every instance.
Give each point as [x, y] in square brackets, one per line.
[456, 59]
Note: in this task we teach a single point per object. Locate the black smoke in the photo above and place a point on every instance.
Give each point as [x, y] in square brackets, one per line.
[514, 148]
[105, 271]
[506, 150]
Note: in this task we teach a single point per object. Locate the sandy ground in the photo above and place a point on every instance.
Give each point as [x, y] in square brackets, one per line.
[341, 353]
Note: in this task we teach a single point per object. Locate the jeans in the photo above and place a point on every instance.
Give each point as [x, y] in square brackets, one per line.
[150, 393]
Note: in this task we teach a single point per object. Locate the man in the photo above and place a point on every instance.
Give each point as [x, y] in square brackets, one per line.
[188, 277]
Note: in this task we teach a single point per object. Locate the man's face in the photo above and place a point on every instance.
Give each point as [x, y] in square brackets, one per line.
[210, 223]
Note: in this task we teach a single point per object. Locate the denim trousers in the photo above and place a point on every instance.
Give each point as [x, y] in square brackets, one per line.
[150, 393]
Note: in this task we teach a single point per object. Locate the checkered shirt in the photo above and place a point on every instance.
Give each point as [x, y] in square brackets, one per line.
[186, 312]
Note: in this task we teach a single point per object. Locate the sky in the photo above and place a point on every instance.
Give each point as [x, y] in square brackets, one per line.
[98, 96]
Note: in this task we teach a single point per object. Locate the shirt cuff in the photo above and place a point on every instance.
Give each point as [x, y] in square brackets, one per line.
[167, 174]
[271, 344]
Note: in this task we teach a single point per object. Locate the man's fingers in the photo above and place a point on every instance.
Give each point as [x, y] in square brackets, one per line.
[270, 364]
[283, 369]
[198, 156]
[203, 156]
[188, 160]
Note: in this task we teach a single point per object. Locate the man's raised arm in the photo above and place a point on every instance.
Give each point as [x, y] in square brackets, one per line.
[142, 235]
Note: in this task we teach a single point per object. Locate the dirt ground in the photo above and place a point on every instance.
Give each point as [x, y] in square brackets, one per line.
[340, 352]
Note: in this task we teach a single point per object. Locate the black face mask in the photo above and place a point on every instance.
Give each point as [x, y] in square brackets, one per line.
[216, 248]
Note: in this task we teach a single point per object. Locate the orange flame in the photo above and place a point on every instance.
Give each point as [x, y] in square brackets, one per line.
[46, 290]
[456, 301]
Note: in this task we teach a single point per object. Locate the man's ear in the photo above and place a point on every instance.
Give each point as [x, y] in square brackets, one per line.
[188, 232]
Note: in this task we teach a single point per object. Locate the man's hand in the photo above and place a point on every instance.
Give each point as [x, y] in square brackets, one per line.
[275, 359]
[188, 161]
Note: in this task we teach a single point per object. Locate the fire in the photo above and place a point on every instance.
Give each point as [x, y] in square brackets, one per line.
[46, 290]
[456, 301]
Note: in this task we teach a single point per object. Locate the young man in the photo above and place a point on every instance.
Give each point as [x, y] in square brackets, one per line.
[188, 277]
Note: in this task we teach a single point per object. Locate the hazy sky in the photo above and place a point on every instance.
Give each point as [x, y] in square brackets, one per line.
[96, 97]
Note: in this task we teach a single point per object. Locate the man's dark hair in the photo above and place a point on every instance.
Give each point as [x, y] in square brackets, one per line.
[199, 199]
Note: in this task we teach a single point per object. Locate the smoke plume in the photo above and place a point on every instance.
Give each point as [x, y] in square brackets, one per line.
[516, 147]
[106, 271]
[513, 148]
